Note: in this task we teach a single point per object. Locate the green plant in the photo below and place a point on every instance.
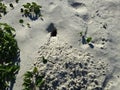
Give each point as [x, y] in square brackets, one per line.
[89, 39]
[16, 1]
[85, 39]
[7, 74]
[8, 53]
[31, 9]
[32, 80]
[8, 44]
[3, 8]
[81, 33]
[21, 21]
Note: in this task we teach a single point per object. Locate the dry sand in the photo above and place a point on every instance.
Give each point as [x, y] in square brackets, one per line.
[101, 20]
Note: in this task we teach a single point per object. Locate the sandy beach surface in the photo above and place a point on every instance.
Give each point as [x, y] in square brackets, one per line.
[73, 63]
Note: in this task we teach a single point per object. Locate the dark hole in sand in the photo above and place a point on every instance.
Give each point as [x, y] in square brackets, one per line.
[77, 4]
[52, 29]
[53, 33]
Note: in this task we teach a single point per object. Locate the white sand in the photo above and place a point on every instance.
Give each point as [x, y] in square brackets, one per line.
[101, 18]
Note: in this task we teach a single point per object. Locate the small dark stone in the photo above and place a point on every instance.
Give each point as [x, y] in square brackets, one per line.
[85, 64]
[72, 83]
[93, 76]
[103, 39]
[96, 82]
[101, 48]
[66, 65]
[11, 5]
[70, 46]
[118, 76]
[55, 83]
[92, 62]
[84, 73]
[81, 66]
[84, 81]
[85, 68]
[105, 26]
[63, 88]
[98, 88]
[91, 45]
[103, 74]
[103, 43]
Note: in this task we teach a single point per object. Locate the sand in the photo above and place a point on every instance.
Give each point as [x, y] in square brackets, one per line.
[100, 18]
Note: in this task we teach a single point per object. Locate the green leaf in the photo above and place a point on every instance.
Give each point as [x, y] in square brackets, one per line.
[26, 5]
[81, 33]
[39, 81]
[14, 69]
[27, 81]
[8, 52]
[2, 8]
[21, 21]
[17, 1]
[89, 39]
[28, 74]
[30, 8]
[35, 70]
[33, 3]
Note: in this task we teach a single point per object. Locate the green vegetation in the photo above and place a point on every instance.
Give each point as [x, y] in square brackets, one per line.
[3, 8]
[21, 21]
[8, 54]
[31, 10]
[85, 39]
[89, 39]
[32, 80]
[16, 1]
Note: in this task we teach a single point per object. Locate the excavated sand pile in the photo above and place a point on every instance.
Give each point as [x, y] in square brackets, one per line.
[71, 69]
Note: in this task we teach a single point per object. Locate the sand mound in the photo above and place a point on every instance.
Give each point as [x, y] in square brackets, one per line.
[70, 68]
